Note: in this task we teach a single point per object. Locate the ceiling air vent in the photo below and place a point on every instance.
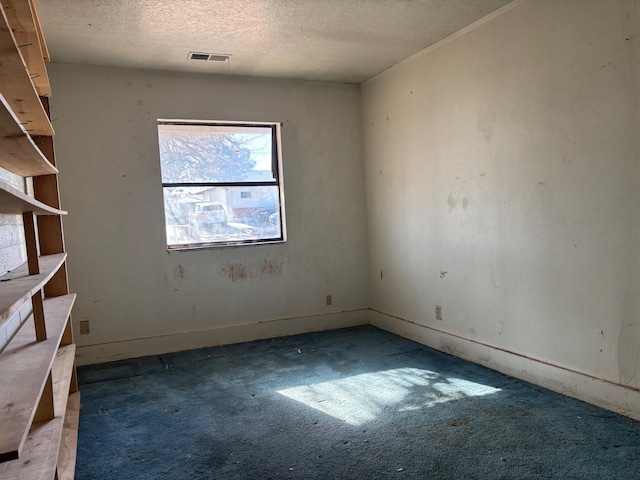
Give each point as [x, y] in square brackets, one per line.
[211, 57]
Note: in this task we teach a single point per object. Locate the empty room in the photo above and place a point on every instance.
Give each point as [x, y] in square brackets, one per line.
[341, 239]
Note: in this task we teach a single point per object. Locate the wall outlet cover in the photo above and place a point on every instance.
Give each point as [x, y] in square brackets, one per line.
[84, 327]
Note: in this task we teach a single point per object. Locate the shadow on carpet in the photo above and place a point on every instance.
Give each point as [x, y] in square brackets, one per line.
[358, 403]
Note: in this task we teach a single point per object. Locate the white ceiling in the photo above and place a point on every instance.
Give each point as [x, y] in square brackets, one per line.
[329, 40]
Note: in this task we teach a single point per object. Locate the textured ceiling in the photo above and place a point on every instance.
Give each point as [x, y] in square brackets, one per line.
[329, 40]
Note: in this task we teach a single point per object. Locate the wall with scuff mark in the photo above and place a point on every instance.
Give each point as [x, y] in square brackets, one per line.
[129, 287]
[508, 157]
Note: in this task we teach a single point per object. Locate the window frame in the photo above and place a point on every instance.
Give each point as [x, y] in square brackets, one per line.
[276, 169]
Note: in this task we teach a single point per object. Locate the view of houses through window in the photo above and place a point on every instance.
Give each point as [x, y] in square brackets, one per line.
[221, 183]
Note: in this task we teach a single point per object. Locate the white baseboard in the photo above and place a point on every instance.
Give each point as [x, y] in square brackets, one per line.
[107, 352]
[600, 392]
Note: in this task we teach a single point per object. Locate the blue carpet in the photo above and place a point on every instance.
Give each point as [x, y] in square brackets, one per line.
[357, 403]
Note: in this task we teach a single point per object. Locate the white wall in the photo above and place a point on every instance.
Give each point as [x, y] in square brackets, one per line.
[508, 157]
[13, 252]
[501, 179]
[12, 244]
[138, 298]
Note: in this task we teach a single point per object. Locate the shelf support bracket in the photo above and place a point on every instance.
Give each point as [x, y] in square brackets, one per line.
[28, 219]
[45, 410]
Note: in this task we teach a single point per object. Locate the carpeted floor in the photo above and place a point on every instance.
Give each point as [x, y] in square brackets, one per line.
[358, 403]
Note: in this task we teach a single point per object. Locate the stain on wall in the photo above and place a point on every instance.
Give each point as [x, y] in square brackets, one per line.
[486, 120]
[178, 273]
[235, 271]
[269, 268]
[452, 202]
[628, 349]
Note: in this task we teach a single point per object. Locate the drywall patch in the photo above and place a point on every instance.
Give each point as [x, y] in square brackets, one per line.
[249, 270]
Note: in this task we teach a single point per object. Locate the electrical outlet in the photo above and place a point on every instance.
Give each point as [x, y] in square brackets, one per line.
[329, 300]
[84, 327]
[438, 312]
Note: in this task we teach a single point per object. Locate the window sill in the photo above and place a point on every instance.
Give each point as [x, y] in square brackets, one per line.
[218, 246]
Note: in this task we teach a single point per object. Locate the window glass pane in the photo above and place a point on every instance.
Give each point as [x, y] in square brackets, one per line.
[215, 153]
[196, 215]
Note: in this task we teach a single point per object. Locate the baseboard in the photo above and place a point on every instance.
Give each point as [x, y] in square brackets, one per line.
[600, 392]
[140, 347]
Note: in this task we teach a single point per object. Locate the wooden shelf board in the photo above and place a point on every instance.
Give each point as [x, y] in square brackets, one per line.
[16, 84]
[43, 44]
[40, 453]
[27, 35]
[38, 449]
[18, 152]
[13, 200]
[61, 371]
[10, 327]
[25, 365]
[18, 286]
[68, 445]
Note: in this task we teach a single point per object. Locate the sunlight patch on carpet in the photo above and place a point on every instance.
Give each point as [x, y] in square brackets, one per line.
[362, 398]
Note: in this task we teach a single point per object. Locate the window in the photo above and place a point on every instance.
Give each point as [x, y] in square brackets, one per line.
[221, 182]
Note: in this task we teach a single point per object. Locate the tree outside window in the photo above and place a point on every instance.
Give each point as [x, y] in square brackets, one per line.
[221, 183]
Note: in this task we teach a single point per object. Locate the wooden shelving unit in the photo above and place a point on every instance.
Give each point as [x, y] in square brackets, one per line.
[18, 152]
[15, 79]
[39, 398]
[26, 364]
[28, 35]
[14, 201]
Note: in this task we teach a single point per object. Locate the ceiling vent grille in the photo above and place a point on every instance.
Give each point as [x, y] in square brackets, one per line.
[208, 57]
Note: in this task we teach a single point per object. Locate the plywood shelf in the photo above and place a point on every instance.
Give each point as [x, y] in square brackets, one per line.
[39, 456]
[39, 449]
[13, 200]
[25, 365]
[26, 32]
[36, 20]
[69, 442]
[18, 152]
[18, 286]
[16, 84]
[38, 415]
